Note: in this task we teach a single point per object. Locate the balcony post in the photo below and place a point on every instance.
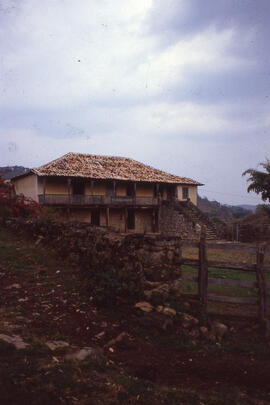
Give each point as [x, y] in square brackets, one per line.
[69, 189]
[157, 190]
[107, 216]
[125, 216]
[134, 191]
[44, 189]
[114, 188]
[158, 213]
[92, 187]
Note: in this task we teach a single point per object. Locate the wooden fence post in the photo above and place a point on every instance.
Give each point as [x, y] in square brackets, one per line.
[203, 270]
[261, 282]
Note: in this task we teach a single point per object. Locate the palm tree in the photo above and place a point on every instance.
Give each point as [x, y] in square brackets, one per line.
[260, 180]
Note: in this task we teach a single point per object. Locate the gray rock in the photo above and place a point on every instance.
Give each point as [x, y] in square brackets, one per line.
[14, 340]
[156, 320]
[56, 344]
[15, 285]
[219, 330]
[83, 353]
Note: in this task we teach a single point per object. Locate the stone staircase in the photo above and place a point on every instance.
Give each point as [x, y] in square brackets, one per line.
[196, 216]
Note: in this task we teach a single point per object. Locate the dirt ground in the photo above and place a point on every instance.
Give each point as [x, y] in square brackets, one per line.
[41, 301]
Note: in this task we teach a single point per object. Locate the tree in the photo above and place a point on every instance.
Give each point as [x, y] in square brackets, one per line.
[260, 180]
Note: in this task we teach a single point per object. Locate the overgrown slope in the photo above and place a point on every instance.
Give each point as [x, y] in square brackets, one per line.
[130, 362]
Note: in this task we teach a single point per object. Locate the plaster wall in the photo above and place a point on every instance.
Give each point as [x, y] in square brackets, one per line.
[144, 190]
[117, 219]
[192, 190]
[56, 186]
[121, 189]
[27, 186]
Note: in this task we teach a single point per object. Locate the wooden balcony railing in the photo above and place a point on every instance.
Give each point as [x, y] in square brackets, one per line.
[84, 200]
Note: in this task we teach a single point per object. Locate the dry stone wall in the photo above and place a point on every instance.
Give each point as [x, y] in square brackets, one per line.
[174, 223]
[143, 257]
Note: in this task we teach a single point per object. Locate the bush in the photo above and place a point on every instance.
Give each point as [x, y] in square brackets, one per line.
[12, 205]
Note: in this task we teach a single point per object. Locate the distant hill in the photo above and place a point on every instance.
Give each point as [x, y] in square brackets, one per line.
[11, 171]
[248, 207]
[219, 212]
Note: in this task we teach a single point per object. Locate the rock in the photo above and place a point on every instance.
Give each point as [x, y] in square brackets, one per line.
[15, 285]
[219, 330]
[186, 305]
[189, 320]
[204, 331]
[156, 320]
[100, 335]
[23, 299]
[144, 306]
[166, 310]
[83, 353]
[56, 344]
[118, 339]
[212, 337]
[194, 333]
[14, 340]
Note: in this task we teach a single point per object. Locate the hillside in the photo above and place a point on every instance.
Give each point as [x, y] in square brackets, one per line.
[11, 171]
[217, 211]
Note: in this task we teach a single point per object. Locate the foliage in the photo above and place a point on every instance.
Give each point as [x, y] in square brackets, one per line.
[263, 209]
[12, 205]
[107, 286]
[260, 180]
[220, 212]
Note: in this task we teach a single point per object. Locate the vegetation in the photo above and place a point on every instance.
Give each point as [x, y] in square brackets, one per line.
[12, 205]
[11, 171]
[220, 213]
[260, 180]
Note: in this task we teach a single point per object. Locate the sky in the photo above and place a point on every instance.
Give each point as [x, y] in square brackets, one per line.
[181, 85]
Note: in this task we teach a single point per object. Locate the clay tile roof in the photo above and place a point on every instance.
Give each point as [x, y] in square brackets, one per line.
[107, 167]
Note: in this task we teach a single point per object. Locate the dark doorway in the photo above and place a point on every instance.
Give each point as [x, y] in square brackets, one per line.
[130, 190]
[131, 219]
[77, 187]
[95, 217]
[171, 192]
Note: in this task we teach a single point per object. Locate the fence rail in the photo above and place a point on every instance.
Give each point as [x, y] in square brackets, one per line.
[203, 279]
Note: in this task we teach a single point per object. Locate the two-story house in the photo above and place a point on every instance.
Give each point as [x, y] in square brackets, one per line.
[106, 190]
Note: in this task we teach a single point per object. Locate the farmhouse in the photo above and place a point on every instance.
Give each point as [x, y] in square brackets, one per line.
[111, 191]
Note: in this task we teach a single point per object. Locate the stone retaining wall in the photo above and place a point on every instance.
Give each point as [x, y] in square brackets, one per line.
[146, 257]
[174, 223]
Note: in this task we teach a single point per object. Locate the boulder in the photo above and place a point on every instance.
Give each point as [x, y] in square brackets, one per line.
[56, 344]
[14, 340]
[219, 330]
[144, 306]
[83, 353]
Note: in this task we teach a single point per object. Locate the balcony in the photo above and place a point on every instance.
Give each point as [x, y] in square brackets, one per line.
[95, 200]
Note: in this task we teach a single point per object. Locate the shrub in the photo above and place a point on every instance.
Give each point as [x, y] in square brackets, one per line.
[12, 205]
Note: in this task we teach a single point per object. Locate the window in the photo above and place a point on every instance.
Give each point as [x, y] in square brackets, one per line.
[185, 193]
[131, 219]
[95, 217]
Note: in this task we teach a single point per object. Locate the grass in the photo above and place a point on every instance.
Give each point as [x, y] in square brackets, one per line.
[233, 256]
